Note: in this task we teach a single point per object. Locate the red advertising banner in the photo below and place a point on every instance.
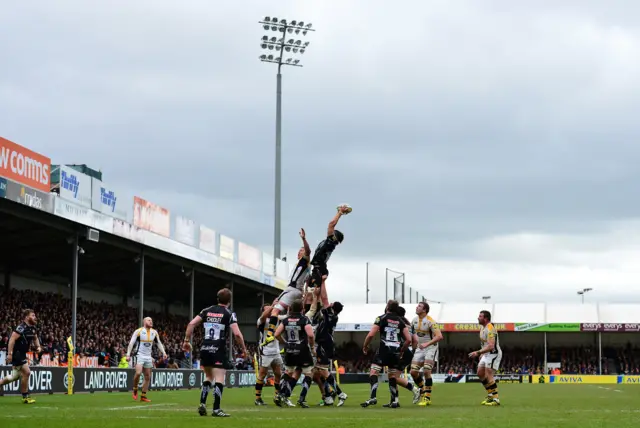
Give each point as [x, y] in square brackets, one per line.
[472, 327]
[249, 256]
[24, 166]
[611, 328]
[152, 217]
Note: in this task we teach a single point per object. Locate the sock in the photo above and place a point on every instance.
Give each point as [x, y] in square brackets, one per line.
[285, 385]
[259, 385]
[409, 386]
[428, 384]
[332, 380]
[276, 386]
[273, 320]
[492, 390]
[420, 383]
[373, 381]
[217, 395]
[327, 388]
[204, 392]
[25, 395]
[306, 384]
[393, 389]
[135, 388]
[485, 383]
[292, 384]
[144, 394]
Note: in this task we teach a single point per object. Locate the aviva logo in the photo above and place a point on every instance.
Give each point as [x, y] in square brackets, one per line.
[587, 379]
[631, 380]
[567, 379]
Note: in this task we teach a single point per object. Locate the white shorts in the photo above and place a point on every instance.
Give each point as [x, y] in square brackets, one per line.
[422, 355]
[144, 361]
[287, 297]
[307, 371]
[269, 361]
[490, 361]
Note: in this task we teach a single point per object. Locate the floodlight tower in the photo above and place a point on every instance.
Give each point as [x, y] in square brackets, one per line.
[285, 40]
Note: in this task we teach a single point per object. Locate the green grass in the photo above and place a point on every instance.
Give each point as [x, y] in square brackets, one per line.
[455, 405]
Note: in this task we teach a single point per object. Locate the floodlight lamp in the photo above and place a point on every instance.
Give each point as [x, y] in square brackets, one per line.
[298, 42]
[270, 57]
[288, 49]
[266, 27]
[280, 40]
[304, 33]
[281, 29]
[274, 28]
[306, 44]
[270, 47]
[295, 50]
[265, 38]
[267, 18]
[263, 57]
[290, 41]
[288, 60]
[273, 39]
[295, 61]
[297, 31]
[278, 48]
[290, 30]
[294, 22]
[283, 21]
[302, 50]
[264, 46]
[278, 59]
[274, 19]
[301, 23]
[309, 25]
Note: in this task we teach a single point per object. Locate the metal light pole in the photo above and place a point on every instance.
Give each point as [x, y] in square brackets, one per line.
[285, 43]
[584, 291]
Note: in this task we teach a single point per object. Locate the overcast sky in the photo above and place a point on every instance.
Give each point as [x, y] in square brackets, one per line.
[487, 147]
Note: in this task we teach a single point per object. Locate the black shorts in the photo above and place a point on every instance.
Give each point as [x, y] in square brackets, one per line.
[388, 358]
[218, 359]
[18, 359]
[302, 359]
[317, 272]
[405, 361]
[325, 353]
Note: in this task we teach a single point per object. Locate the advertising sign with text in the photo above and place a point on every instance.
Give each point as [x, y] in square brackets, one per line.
[227, 247]
[267, 264]
[3, 187]
[249, 256]
[152, 217]
[611, 328]
[26, 195]
[207, 239]
[185, 231]
[23, 166]
[109, 201]
[83, 215]
[75, 186]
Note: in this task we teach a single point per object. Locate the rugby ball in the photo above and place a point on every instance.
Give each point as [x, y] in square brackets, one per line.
[345, 208]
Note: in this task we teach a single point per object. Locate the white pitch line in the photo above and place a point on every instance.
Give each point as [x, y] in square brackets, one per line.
[142, 407]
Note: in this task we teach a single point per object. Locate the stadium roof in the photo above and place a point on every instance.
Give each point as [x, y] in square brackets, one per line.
[510, 316]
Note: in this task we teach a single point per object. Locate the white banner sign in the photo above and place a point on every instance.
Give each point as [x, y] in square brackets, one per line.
[227, 247]
[208, 239]
[249, 256]
[83, 215]
[267, 264]
[282, 269]
[75, 186]
[185, 231]
[107, 200]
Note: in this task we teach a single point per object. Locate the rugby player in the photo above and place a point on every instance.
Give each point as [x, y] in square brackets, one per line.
[325, 248]
[269, 358]
[293, 291]
[326, 321]
[428, 335]
[299, 354]
[490, 356]
[389, 354]
[217, 320]
[407, 357]
[143, 339]
[19, 344]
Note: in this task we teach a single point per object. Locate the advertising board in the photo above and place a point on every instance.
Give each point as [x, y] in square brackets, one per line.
[24, 166]
[75, 186]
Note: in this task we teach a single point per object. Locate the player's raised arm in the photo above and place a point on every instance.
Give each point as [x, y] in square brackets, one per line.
[310, 337]
[278, 333]
[305, 244]
[265, 314]
[333, 223]
[132, 342]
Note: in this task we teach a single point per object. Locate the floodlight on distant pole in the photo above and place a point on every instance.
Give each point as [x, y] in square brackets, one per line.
[286, 40]
[486, 298]
[584, 291]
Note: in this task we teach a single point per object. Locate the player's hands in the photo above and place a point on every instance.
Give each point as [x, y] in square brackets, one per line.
[164, 356]
[9, 358]
[365, 350]
[474, 354]
[423, 346]
[303, 235]
[38, 349]
[186, 346]
[128, 358]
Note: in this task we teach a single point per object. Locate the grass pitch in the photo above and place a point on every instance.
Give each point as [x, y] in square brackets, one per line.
[455, 405]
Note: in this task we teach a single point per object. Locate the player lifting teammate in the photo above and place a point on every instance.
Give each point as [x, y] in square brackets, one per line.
[217, 320]
[299, 352]
[391, 329]
[428, 334]
[406, 359]
[490, 355]
[293, 291]
[320, 272]
[19, 343]
[143, 339]
[269, 358]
